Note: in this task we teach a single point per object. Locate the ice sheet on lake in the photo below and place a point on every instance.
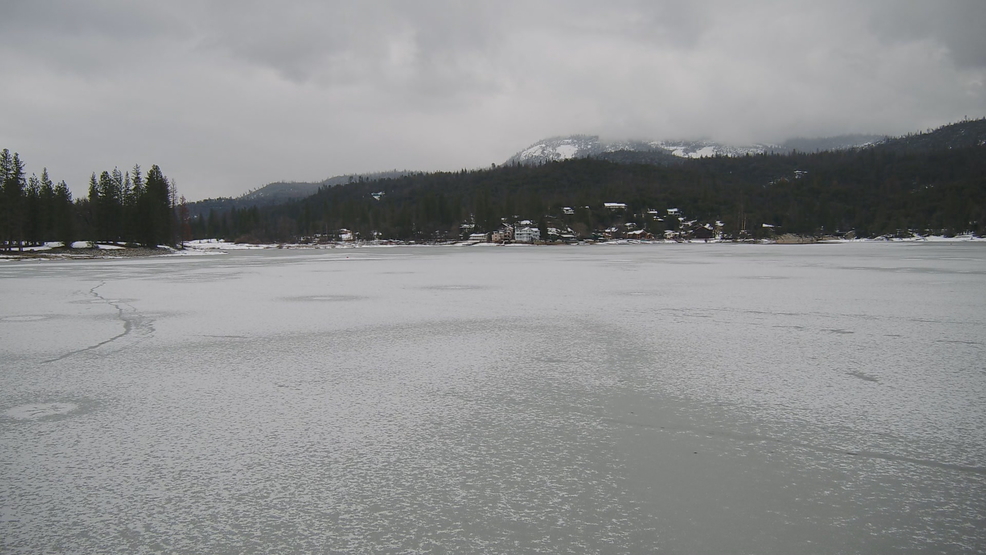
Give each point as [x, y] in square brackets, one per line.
[683, 398]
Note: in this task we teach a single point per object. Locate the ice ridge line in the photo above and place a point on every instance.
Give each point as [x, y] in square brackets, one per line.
[128, 325]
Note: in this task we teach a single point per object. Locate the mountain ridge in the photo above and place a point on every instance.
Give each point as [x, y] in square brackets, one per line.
[663, 152]
[279, 192]
[565, 147]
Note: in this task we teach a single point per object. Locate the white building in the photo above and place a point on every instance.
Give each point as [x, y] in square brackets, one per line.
[527, 234]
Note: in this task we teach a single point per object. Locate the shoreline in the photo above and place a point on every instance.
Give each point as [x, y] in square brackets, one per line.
[213, 246]
[86, 253]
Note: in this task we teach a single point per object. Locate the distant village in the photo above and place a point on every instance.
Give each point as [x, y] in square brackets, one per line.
[526, 231]
[558, 229]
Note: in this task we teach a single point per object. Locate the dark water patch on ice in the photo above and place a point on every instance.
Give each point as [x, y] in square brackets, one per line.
[37, 411]
[24, 318]
[756, 312]
[696, 314]
[49, 410]
[206, 278]
[958, 342]
[796, 328]
[862, 376]
[551, 360]
[689, 262]
[838, 331]
[753, 438]
[324, 298]
[455, 287]
[643, 293]
[934, 270]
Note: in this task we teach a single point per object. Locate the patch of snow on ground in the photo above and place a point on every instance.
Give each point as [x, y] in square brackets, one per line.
[219, 244]
[533, 152]
[566, 151]
[44, 247]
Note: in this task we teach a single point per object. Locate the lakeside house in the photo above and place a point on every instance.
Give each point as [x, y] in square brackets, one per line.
[527, 234]
[502, 235]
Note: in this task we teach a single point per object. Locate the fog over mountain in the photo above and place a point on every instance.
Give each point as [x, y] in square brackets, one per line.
[227, 96]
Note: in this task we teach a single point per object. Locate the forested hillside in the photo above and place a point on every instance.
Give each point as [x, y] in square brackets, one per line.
[281, 192]
[889, 188]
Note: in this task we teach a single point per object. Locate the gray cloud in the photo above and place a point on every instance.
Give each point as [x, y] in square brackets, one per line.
[227, 96]
[957, 25]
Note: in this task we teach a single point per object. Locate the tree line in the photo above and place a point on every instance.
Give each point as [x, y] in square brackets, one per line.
[121, 207]
[872, 191]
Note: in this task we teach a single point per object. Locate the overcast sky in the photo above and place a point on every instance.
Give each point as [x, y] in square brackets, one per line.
[228, 95]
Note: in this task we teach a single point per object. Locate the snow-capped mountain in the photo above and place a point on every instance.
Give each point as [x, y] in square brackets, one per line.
[583, 146]
[580, 146]
[558, 148]
[702, 149]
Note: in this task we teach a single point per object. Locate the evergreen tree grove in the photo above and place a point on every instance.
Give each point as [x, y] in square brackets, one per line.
[120, 207]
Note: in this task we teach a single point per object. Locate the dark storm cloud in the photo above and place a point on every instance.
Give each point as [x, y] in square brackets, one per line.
[228, 95]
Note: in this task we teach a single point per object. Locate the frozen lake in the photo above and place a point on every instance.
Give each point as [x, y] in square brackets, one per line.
[604, 399]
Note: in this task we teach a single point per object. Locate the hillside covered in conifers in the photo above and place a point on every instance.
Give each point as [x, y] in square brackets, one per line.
[932, 182]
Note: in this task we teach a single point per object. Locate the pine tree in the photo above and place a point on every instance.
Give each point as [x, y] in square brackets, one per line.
[31, 211]
[6, 162]
[127, 208]
[184, 221]
[47, 207]
[134, 211]
[12, 194]
[155, 210]
[110, 206]
[64, 215]
[90, 212]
